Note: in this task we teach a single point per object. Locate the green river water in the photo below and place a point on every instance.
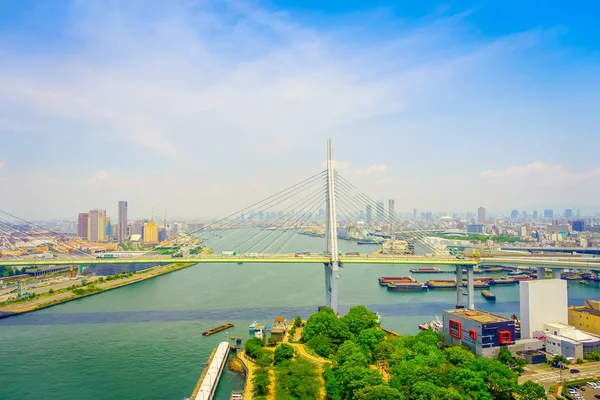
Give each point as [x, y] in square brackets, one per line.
[144, 341]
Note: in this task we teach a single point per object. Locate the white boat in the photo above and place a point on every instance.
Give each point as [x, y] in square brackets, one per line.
[252, 326]
[434, 325]
[378, 320]
[258, 334]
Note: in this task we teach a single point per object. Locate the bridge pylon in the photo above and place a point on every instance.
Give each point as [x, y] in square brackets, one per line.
[333, 266]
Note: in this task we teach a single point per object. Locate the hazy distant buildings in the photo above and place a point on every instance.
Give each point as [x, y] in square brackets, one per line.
[568, 213]
[82, 225]
[369, 214]
[535, 214]
[414, 213]
[548, 213]
[514, 214]
[391, 208]
[138, 227]
[108, 230]
[122, 223]
[476, 228]
[96, 225]
[481, 215]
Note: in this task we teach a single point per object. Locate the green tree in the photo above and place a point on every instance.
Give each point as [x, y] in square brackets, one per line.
[283, 352]
[531, 391]
[457, 355]
[332, 386]
[297, 321]
[359, 319]
[514, 363]
[557, 360]
[261, 382]
[296, 379]
[253, 347]
[430, 337]
[500, 380]
[272, 341]
[51, 291]
[264, 358]
[379, 392]
[469, 383]
[354, 378]
[580, 361]
[326, 323]
[368, 339]
[350, 353]
[321, 344]
[593, 356]
[425, 391]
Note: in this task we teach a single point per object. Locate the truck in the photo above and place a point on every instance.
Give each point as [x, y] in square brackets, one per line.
[228, 253]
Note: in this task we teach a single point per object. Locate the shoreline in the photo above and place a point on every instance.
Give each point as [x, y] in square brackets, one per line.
[149, 273]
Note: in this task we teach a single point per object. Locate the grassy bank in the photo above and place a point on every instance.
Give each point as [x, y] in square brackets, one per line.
[50, 299]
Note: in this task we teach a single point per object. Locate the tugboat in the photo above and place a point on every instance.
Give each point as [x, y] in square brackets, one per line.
[583, 282]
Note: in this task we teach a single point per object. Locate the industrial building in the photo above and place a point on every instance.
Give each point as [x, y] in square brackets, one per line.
[567, 341]
[481, 332]
[586, 317]
[542, 301]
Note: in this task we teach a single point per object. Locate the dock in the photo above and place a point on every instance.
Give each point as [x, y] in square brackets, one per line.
[209, 379]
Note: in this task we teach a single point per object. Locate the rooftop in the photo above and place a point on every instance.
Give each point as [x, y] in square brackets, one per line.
[478, 315]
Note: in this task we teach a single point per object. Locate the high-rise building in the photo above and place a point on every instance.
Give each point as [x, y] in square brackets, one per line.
[97, 225]
[481, 215]
[108, 228]
[548, 213]
[535, 214]
[568, 213]
[380, 211]
[122, 223]
[369, 213]
[82, 225]
[138, 227]
[151, 232]
[579, 225]
[391, 208]
[414, 213]
[514, 214]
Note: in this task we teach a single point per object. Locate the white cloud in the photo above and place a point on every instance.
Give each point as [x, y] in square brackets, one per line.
[373, 169]
[101, 175]
[385, 181]
[2, 164]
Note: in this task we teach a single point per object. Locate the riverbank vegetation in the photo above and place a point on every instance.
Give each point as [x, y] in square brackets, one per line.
[415, 367]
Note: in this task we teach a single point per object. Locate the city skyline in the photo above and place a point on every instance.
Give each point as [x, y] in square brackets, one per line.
[203, 115]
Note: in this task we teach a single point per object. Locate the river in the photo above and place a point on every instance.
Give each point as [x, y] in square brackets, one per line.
[144, 341]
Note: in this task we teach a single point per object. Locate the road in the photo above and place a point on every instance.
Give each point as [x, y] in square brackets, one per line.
[548, 376]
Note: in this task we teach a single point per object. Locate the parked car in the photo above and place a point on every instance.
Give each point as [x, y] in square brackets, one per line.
[597, 396]
[574, 371]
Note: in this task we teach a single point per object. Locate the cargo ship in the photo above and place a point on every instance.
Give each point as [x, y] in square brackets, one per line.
[492, 269]
[441, 284]
[384, 280]
[488, 295]
[217, 329]
[503, 281]
[478, 284]
[405, 286]
[519, 278]
[517, 273]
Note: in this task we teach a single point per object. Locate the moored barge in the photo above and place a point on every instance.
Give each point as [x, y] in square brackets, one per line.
[217, 329]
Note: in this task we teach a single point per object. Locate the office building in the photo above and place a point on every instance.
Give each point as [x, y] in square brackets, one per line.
[476, 228]
[414, 213]
[567, 341]
[481, 215]
[108, 228]
[483, 333]
[579, 225]
[82, 225]
[535, 214]
[542, 301]
[96, 225]
[138, 227]
[122, 223]
[391, 209]
[548, 213]
[514, 214]
[150, 233]
[369, 213]
[586, 317]
[568, 213]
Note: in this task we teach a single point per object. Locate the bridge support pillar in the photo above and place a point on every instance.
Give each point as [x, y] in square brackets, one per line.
[541, 273]
[470, 287]
[556, 273]
[459, 288]
[331, 285]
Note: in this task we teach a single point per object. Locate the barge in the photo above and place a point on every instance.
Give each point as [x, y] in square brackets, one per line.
[217, 329]
[429, 270]
[504, 281]
[488, 295]
[384, 280]
[406, 286]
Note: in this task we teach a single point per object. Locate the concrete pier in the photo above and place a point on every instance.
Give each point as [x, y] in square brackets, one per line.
[209, 379]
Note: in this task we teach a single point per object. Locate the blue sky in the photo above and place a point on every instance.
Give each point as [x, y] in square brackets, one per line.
[199, 108]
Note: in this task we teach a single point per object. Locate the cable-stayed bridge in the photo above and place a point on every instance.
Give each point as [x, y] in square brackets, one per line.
[317, 207]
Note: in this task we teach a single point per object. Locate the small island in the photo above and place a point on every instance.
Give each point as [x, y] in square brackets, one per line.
[352, 357]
